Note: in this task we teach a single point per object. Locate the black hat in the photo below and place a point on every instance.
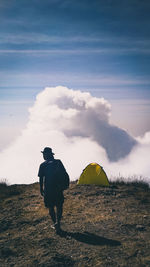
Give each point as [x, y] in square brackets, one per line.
[47, 150]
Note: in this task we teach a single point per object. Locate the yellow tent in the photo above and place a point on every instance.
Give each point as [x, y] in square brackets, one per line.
[93, 174]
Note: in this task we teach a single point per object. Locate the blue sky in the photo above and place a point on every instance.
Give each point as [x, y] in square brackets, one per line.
[101, 46]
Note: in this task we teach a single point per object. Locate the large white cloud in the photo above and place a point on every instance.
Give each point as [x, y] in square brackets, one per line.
[76, 125]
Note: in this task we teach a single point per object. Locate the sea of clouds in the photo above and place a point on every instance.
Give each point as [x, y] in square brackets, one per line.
[77, 127]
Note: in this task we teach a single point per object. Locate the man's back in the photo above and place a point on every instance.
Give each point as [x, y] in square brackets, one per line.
[48, 170]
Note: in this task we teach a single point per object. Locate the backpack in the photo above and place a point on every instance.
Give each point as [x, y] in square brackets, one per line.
[63, 179]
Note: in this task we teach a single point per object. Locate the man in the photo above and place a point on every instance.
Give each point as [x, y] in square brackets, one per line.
[52, 184]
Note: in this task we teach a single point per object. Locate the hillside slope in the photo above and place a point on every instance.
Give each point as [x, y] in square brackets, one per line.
[102, 227]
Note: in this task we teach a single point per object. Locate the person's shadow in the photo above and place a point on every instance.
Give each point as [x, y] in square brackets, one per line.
[90, 238]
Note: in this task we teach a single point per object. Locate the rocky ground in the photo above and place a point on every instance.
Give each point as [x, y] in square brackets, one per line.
[101, 227]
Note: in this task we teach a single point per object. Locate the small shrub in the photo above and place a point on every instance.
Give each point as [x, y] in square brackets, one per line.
[3, 183]
[8, 190]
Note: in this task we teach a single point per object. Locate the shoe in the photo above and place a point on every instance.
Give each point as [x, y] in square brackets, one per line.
[53, 226]
[57, 228]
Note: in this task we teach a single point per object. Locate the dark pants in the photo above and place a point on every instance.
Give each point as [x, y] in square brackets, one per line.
[52, 200]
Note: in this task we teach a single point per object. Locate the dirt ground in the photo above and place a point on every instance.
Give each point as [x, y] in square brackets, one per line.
[102, 226]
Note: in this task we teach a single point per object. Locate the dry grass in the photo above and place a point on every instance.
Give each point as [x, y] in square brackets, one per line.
[102, 227]
[133, 181]
[7, 191]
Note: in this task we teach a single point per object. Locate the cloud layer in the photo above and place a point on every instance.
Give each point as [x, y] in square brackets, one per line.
[76, 126]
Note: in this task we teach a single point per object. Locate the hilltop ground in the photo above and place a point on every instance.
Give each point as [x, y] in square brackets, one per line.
[102, 227]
